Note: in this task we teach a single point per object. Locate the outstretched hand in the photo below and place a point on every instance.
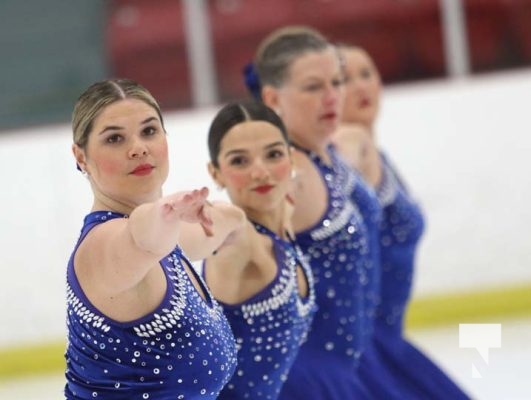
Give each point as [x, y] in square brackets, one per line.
[352, 141]
[191, 206]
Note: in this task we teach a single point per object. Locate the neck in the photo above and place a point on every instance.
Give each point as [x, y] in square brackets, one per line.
[111, 205]
[320, 149]
[371, 131]
[123, 206]
[273, 220]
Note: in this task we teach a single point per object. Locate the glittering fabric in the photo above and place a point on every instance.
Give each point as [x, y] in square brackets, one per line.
[270, 326]
[184, 349]
[392, 368]
[370, 209]
[341, 257]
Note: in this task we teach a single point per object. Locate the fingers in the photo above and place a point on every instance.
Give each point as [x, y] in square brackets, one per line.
[193, 197]
[207, 228]
[204, 192]
[191, 207]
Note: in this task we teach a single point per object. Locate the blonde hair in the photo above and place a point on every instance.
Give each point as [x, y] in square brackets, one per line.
[98, 96]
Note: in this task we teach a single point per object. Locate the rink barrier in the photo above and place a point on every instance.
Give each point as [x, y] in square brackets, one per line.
[483, 306]
[486, 306]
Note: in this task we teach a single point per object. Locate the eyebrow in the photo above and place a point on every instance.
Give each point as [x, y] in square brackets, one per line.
[269, 146]
[117, 128]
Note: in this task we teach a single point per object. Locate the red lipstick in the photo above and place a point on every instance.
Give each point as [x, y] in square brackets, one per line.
[329, 116]
[263, 189]
[364, 103]
[142, 170]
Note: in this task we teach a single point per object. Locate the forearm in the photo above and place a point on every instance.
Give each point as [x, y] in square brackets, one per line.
[226, 220]
[154, 227]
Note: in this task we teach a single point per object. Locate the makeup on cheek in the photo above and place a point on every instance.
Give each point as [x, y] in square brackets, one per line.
[237, 179]
[160, 153]
[281, 171]
[108, 166]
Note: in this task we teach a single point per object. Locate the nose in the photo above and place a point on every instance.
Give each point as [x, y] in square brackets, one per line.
[138, 149]
[333, 94]
[259, 171]
[360, 85]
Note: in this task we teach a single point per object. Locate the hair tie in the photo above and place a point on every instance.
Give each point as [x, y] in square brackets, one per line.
[252, 81]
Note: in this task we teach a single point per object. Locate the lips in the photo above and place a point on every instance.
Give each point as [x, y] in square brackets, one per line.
[329, 116]
[141, 170]
[263, 189]
[364, 103]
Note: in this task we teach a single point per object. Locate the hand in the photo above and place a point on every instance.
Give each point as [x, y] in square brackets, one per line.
[234, 217]
[352, 140]
[191, 207]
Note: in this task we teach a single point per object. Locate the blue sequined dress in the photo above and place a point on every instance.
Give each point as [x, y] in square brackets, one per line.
[340, 253]
[184, 349]
[370, 208]
[392, 367]
[270, 326]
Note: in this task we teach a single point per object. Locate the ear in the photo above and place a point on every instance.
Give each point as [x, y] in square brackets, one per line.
[79, 155]
[270, 97]
[215, 175]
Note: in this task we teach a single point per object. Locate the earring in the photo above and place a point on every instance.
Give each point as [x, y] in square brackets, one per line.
[293, 173]
[220, 187]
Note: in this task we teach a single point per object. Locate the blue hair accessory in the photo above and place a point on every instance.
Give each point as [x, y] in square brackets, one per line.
[252, 81]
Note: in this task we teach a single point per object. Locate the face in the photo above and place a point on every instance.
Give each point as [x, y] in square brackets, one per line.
[126, 156]
[362, 88]
[254, 166]
[310, 100]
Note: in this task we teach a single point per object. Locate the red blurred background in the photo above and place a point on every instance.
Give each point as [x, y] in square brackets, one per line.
[146, 40]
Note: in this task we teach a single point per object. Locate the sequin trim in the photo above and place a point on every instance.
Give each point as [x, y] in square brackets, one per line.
[307, 305]
[351, 183]
[281, 294]
[294, 256]
[160, 322]
[168, 318]
[331, 226]
[83, 313]
[388, 188]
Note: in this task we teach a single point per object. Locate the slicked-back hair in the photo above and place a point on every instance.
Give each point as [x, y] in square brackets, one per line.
[98, 96]
[236, 113]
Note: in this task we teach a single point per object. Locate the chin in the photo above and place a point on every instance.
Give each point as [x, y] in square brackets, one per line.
[331, 128]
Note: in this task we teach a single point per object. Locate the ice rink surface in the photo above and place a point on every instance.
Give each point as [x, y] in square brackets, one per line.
[505, 377]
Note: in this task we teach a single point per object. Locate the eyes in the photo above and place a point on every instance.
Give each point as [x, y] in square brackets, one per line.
[366, 73]
[317, 86]
[114, 138]
[243, 160]
[363, 74]
[118, 137]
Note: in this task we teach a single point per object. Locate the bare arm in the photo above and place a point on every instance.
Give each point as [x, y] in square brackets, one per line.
[308, 184]
[357, 147]
[227, 271]
[351, 141]
[227, 220]
[118, 254]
